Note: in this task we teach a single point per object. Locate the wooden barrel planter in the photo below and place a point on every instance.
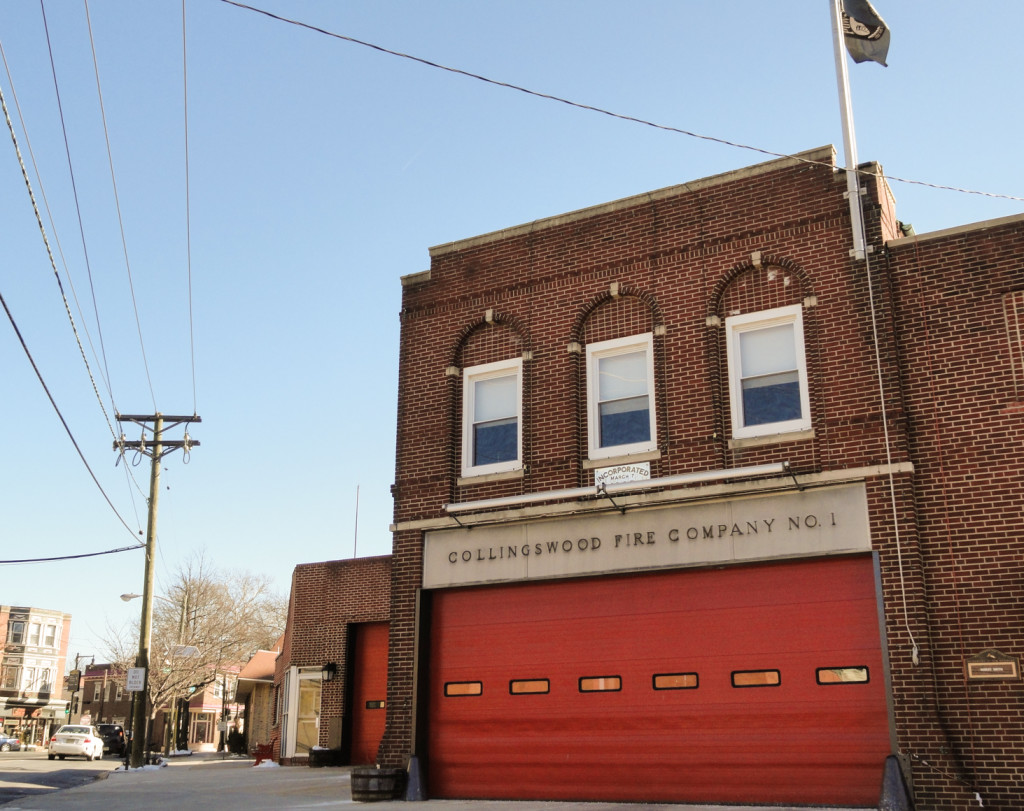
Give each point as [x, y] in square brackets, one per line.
[370, 784]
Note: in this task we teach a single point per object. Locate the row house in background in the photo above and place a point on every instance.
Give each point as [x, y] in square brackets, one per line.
[205, 716]
[691, 505]
[32, 671]
[213, 712]
[330, 679]
[101, 697]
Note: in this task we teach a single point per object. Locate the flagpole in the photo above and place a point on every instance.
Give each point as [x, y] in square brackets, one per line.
[853, 191]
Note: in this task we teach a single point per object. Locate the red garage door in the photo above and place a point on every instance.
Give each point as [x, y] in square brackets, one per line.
[369, 688]
[749, 684]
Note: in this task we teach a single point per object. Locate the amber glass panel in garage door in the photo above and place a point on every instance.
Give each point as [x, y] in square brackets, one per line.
[788, 739]
[369, 690]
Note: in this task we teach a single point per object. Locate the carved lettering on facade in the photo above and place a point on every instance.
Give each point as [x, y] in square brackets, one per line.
[816, 522]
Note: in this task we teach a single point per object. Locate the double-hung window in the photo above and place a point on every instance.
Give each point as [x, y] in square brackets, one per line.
[768, 372]
[10, 677]
[620, 396]
[492, 403]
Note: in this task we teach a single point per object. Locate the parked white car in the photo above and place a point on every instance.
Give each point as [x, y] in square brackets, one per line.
[75, 739]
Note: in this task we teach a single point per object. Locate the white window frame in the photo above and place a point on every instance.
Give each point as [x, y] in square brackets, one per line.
[737, 325]
[470, 376]
[595, 353]
[290, 709]
[284, 712]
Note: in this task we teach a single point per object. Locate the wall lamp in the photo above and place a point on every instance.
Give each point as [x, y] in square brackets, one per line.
[777, 469]
[329, 671]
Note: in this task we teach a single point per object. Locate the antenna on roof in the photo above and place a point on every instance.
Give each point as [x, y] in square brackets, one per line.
[355, 541]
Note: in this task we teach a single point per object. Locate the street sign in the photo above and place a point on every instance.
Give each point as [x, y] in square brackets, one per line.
[74, 680]
[136, 680]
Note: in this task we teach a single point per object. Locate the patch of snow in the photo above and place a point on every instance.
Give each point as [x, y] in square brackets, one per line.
[268, 764]
[120, 769]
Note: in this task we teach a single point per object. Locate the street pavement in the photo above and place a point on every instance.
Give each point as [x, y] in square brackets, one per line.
[233, 784]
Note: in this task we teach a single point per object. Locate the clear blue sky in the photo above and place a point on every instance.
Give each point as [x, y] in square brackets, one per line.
[321, 172]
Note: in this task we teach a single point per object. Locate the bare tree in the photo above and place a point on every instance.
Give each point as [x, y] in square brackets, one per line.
[206, 620]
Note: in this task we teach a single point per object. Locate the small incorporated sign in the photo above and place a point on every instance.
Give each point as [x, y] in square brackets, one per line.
[136, 681]
[623, 473]
[992, 665]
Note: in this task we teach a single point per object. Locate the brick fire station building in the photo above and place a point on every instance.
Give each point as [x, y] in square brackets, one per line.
[692, 506]
[330, 677]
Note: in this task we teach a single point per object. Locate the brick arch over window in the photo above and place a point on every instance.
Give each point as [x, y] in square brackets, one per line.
[482, 341]
[620, 312]
[494, 337]
[773, 283]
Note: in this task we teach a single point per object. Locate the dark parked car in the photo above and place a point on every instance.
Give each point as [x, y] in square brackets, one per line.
[9, 744]
[113, 738]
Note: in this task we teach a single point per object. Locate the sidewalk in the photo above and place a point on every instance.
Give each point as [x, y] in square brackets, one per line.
[233, 784]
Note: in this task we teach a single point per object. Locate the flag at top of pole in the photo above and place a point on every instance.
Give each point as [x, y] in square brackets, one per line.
[865, 33]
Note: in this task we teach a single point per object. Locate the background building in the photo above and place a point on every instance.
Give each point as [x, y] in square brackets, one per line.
[102, 697]
[255, 695]
[692, 506]
[32, 671]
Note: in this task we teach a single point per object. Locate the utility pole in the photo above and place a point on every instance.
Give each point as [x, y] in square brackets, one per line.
[155, 448]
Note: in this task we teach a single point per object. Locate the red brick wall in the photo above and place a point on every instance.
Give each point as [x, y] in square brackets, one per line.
[326, 599]
[967, 436]
[677, 263]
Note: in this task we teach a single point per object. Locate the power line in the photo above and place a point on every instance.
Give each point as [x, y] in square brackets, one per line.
[49, 214]
[117, 206]
[74, 442]
[49, 252]
[74, 557]
[74, 192]
[600, 110]
[188, 214]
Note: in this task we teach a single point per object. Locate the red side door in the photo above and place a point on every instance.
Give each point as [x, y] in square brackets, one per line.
[369, 689]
